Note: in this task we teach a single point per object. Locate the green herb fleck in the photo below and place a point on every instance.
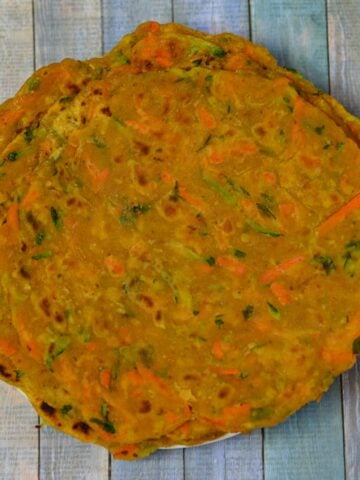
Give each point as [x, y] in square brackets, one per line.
[106, 425]
[265, 231]
[40, 237]
[98, 142]
[28, 135]
[104, 410]
[219, 320]
[327, 145]
[65, 409]
[248, 311]
[33, 84]
[238, 253]
[264, 209]
[175, 195]
[123, 59]
[205, 143]
[210, 261]
[226, 195]
[55, 217]
[218, 52]
[18, 375]
[340, 146]
[197, 62]
[195, 312]
[274, 312]
[327, 263]
[356, 346]
[260, 413]
[353, 245]
[237, 188]
[13, 156]
[131, 213]
[320, 130]
[42, 255]
[56, 349]
[209, 78]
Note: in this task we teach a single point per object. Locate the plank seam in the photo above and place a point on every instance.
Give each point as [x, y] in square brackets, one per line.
[102, 27]
[183, 462]
[263, 452]
[343, 425]
[34, 34]
[249, 20]
[172, 11]
[328, 51]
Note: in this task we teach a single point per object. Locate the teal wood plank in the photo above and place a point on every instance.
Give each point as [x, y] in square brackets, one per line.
[344, 52]
[162, 465]
[309, 445]
[67, 28]
[213, 16]
[295, 32]
[344, 56]
[123, 16]
[239, 458]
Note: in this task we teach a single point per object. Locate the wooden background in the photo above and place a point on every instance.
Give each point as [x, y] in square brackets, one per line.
[319, 38]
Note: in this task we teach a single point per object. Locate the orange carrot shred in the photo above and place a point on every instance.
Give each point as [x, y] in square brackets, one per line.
[281, 293]
[105, 377]
[6, 348]
[340, 215]
[231, 264]
[271, 275]
[217, 349]
[114, 266]
[29, 198]
[13, 217]
[206, 118]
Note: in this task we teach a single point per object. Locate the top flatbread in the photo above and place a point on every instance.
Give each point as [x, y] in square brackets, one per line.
[179, 241]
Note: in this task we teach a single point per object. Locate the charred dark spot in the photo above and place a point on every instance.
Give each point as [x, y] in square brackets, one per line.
[83, 119]
[260, 131]
[24, 273]
[45, 306]
[71, 201]
[142, 147]
[190, 376]
[23, 247]
[83, 103]
[118, 159]
[82, 427]
[158, 315]
[32, 220]
[97, 91]
[75, 89]
[48, 409]
[145, 406]
[170, 211]
[4, 373]
[106, 111]
[59, 318]
[142, 180]
[85, 81]
[224, 392]
[148, 301]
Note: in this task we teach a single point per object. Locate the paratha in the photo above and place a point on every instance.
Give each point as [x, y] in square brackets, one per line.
[179, 241]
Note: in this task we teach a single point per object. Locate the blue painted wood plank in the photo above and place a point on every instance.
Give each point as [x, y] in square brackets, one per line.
[309, 445]
[123, 16]
[295, 32]
[344, 56]
[344, 52]
[162, 465]
[213, 16]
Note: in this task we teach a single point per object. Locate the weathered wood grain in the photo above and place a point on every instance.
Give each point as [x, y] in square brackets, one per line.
[214, 16]
[344, 55]
[344, 52]
[67, 28]
[295, 32]
[70, 28]
[309, 445]
[123, 16]
[18, 435]
[16, 45]
[162, 465]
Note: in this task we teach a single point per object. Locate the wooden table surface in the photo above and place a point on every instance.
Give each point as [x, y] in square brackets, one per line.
[320, 39]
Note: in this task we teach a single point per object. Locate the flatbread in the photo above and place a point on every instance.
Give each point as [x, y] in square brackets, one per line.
[179, 241]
